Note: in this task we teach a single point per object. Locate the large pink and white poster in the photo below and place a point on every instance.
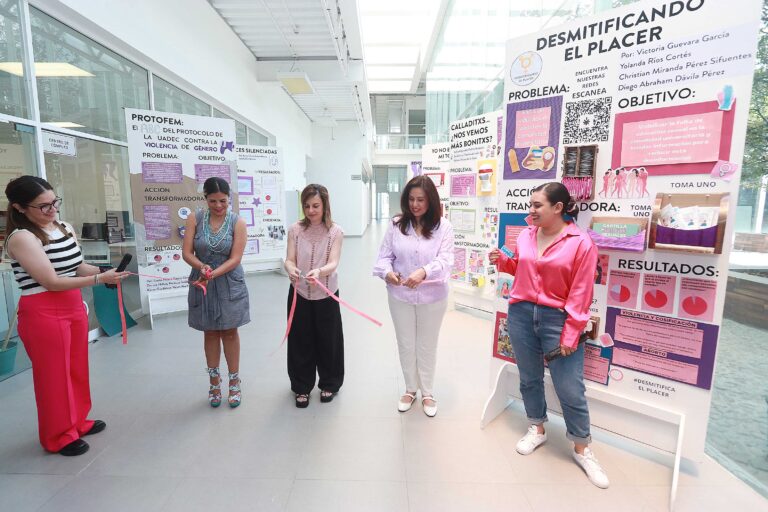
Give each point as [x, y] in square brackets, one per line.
[652, 130]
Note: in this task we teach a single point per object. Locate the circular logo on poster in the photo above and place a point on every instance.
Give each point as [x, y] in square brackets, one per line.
[526, 68]
[184, 212]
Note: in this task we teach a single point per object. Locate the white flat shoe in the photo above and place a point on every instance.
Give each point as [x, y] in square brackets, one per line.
[429, 410]
[406, 406]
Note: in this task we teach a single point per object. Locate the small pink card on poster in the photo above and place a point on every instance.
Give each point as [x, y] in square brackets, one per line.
[724, 170]
[697, 299]
[622, 288]
[658, 293]
[463, 185]
[532, 127]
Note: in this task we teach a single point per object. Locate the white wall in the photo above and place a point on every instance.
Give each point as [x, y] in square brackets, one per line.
[187, 43]
[340, 153]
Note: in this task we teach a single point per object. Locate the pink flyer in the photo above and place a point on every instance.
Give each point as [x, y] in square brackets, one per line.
[532, 127]
[459, 270]
[622, 288]
[697, 299]
[672, 140]
[659, 293]
[463, 185]
[510, 236]
[673, 348]
[659, 336]
[675, 370]
[596, 364]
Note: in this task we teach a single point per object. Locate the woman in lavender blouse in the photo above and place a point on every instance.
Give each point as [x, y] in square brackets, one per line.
[415, 259]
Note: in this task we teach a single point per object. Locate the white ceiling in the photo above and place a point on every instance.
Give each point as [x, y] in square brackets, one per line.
[399, 38]
[318, 37]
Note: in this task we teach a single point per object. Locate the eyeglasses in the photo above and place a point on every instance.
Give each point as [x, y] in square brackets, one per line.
[48, 207]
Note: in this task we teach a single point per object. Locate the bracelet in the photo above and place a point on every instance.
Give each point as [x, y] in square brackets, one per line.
[95, 279]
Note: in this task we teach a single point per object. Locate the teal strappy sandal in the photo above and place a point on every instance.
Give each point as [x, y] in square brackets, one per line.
[214, 390]
[235, 393]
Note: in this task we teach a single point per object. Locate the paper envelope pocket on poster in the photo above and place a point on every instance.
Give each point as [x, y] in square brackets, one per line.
[689, 223]
[618, 233]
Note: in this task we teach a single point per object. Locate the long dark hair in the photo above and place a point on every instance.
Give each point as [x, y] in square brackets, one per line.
[557, 193]
[317, 190]
[215, 184]
[431, 218]
[22, 191]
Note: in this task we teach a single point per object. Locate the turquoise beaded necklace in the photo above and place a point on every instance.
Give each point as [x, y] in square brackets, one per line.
[215, 238]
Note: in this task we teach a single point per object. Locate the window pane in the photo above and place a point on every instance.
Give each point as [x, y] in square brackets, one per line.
[169, 98]
[17, 157]
[95, 187]
[256, 138]
[82, 85]
[240, 128]
[13, 92]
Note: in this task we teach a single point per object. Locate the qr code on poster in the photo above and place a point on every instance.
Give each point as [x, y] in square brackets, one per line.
[587, 121]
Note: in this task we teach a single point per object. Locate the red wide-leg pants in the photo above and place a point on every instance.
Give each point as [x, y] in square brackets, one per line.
[54, 329]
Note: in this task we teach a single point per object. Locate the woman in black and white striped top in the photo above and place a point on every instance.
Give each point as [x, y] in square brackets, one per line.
[53, 325]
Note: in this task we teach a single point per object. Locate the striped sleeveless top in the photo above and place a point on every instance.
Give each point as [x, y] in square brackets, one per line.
[63, 253]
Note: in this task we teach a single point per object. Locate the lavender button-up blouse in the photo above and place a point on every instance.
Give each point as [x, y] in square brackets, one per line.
[403, 254]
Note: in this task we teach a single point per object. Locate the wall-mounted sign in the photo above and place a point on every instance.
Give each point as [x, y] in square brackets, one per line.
[59, 144]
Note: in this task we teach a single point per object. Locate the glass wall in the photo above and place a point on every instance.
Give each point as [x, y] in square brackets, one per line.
[13, 91]
[82, 85]
[240, 129]
[95, 189]
[465, 75]
[17, 156]
[256, 138]
[169, 98]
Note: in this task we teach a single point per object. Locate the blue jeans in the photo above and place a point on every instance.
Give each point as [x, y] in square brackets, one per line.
[535, 330]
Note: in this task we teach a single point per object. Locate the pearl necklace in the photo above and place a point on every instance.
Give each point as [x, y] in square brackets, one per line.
[215, 238]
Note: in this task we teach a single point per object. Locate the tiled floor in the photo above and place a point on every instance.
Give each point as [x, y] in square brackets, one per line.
[166, 450]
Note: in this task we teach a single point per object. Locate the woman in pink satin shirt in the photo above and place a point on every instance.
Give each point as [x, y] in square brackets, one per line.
[415, 259]
[554, 270]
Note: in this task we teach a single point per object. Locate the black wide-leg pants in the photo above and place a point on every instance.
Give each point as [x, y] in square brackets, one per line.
[315, 344]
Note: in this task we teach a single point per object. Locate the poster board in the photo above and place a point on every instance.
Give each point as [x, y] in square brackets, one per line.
[475, 153]
[170, 156]
[659, 92]
[436, 160]
[261, 196]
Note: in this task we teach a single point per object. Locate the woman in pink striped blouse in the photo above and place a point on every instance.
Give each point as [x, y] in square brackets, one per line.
[415, 259]
[554, 269]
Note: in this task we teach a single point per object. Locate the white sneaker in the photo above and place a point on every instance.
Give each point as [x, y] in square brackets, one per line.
[592, 468]
[530, 441]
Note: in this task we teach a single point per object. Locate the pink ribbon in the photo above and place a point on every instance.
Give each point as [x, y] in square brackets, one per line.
[122, 312]
[123, 324]
[331, 295]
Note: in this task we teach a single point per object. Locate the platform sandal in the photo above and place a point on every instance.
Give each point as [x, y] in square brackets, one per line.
[235, 393]
[302, 400]
[214, 390]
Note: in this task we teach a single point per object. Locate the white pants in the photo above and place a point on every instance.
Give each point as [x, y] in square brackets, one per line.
[417, 327]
